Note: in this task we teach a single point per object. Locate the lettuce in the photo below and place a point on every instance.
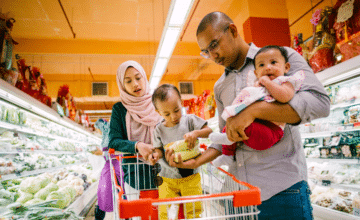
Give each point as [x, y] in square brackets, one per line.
[24, 197]
[33, 201]
[63, 199]
[30, 185]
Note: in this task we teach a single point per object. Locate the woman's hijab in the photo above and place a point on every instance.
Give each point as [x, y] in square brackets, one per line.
[141, 117]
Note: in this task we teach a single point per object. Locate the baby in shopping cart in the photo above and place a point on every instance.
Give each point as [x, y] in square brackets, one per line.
[175, 126]
[269, 83]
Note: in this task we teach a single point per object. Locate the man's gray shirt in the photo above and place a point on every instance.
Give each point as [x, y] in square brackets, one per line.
[281, 166]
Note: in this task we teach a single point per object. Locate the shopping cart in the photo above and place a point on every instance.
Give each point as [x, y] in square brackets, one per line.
[224, 197]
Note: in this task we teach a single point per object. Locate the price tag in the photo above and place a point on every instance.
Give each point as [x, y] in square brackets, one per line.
[346, 10]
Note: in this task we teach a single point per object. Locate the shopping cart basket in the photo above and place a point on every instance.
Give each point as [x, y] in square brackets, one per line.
[224, 197]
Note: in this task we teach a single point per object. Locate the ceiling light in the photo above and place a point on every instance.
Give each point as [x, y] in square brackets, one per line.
[175, 20]
[160, 66]
[180, 11]
[170, 39]
[154, 82]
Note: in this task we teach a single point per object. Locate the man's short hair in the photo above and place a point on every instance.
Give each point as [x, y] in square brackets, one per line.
[213, 19]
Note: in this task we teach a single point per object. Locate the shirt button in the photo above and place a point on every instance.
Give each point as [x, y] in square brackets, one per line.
[239, 164]
[238, 89]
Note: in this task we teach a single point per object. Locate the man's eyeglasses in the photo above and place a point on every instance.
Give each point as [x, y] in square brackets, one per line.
[213, 47]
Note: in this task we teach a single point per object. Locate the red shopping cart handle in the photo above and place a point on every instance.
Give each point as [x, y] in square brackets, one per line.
[111, 151]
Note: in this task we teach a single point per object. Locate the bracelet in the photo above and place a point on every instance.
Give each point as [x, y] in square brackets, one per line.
[136, 150]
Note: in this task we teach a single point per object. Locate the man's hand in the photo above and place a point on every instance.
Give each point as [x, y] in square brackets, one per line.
[190, 138]
[189, 164]
[145, 150]
[235, 126]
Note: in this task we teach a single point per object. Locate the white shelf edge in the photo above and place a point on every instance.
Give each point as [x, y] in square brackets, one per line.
[83, 200]
[343, 105]
[39, 151]
[347, 187]
[34, 172]
[331, 214]
[342, 161]
[18, 128]
[326, 133]
[339, 69]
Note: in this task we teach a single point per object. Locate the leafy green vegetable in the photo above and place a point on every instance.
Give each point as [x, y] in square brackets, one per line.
[30, 185]
[24, 197]
[33, 201]
[63, 199]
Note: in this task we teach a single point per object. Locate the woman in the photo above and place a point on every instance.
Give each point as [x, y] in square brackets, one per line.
[131, 127]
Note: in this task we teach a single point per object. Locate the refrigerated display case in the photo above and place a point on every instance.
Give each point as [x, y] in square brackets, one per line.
[332, 145]
[36, 142]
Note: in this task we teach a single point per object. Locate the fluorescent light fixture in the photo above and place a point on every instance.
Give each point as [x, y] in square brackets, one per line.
[154, 82]
[160, 67]
[97, 111]
[343, 76]
[175, 20]
[168, 45]
[180, 12]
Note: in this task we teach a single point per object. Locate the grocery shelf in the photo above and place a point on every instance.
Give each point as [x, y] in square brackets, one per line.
[340, 72]
[326, 133]
[38, 151]
[34, 172]
[88, 197]
[347, 187]
[331, 214]
[22, 129]
[339, 161]
[24, 101]
[344, 105]
[316, 134]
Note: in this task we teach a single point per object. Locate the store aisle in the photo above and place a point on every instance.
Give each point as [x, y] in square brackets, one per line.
[91, 214]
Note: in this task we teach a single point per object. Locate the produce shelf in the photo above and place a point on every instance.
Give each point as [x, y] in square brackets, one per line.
[331, 214]
[22, 129]
[34, 172]
[38, 151]
[339, 161]
[89, 196]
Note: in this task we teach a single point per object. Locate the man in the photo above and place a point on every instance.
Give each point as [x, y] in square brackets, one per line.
[280, 171]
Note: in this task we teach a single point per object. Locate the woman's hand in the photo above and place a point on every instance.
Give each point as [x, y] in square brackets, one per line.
[145, 150]
[190, 139]
[98, 152]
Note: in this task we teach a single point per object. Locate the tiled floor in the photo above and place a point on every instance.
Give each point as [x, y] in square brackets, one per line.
[91, 215]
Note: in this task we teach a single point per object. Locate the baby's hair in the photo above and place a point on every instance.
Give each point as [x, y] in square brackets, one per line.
[161, 93]
[273, 47]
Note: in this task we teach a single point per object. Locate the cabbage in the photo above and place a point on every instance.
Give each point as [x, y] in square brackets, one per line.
[30, 185]
[43, 193]
[52, 187]
[44, 181]
[33, 201]
[71, 191]
[63, 199]
[4, 194]
[5, 202]
[24, 197]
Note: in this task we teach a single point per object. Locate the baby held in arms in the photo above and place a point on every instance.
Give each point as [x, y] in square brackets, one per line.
[271, 65]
